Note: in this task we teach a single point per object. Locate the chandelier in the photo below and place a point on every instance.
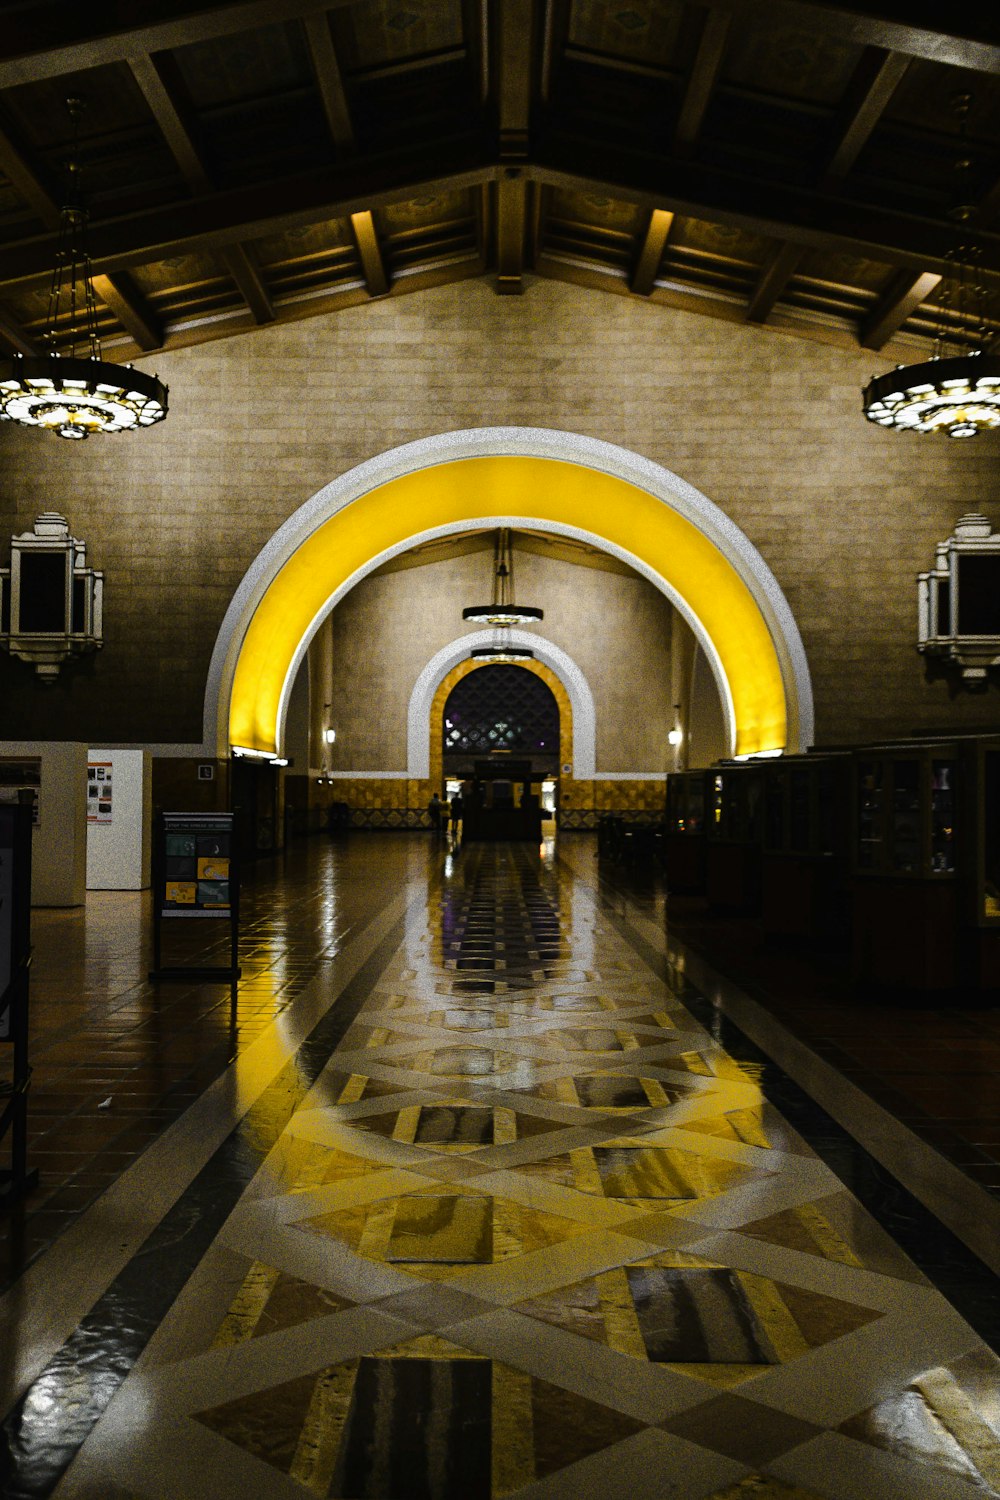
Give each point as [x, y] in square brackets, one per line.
[501, 650]
[70, 389]
[502, 613]
[953, 392]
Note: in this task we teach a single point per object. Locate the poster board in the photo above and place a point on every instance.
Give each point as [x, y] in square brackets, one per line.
[196, 863]
[100, 791]
[196, 875]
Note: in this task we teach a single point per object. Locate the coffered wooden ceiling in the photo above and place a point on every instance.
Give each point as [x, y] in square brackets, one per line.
[256, 161]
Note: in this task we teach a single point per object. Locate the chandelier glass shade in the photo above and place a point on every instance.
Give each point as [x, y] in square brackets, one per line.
[957, 390]
[959, 395]
[502, 615]
[501, 650]
[75, 397]
[70, 389]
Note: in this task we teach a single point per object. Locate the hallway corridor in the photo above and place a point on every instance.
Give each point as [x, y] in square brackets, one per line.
[492, 1200]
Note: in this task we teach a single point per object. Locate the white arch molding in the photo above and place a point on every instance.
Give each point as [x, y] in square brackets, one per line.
[418, 719]
[531, 442]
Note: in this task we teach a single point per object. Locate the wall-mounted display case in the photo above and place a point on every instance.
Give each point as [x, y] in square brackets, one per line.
[906, 809]
[684, 831]
[734, 837]
[807, 840]
[979, 864]
[910, 801]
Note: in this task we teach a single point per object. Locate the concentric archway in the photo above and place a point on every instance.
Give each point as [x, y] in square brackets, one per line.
[534, 479]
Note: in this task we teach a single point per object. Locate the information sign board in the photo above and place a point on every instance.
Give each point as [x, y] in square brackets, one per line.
[100, 791]
[196, 865]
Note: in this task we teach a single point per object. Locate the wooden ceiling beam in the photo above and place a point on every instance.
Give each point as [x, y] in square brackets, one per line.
[49, 39]
[902, 298]
[485, 216]
[24, 180]
[989, 207]
[476, 32]
[57, 37]
[330, 81]
[13, 340]
[701, 83]
[161, 89]
[131, 309]
[776, 211]
[511, 211]
[960, 36]
[513, 33]
[372, 264]
[117, 293]
[876, 79]
[651, 252]
[514, 24]
[247, 213]
[555, 35]
[160, 93]
[243, 267]
[776, 272]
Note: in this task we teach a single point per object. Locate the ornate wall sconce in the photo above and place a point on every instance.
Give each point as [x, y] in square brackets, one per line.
[50, 601]
[959, 603]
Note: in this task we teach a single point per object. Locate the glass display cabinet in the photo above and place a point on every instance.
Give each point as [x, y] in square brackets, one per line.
[734, 837]
[684, 832]
[908, 806]
[806, 860]
[979, 866]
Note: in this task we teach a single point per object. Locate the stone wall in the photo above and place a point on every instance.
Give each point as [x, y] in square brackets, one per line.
[615, 626]
[767, 425]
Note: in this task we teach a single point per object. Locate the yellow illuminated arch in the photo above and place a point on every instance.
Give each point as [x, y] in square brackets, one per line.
[539, 491]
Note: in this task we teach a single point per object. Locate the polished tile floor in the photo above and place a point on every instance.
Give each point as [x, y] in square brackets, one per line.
[936, 1068]
[477, 1191]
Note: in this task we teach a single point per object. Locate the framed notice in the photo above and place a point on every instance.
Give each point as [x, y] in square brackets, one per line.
[195, 874]
[100, 791]
[196, 863]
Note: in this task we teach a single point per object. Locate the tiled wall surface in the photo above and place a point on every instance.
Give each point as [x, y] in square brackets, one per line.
[769, 427]
[616, 629]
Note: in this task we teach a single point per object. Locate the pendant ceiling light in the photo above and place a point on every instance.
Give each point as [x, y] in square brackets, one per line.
[503, 613]
[957, 390]
[501, 650]
[70, 389]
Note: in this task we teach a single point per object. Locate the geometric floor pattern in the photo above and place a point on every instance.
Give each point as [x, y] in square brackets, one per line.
[533, 1232]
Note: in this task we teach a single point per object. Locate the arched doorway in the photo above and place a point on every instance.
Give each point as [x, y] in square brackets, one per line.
[500, 747]
[500, 710]
[535, 479]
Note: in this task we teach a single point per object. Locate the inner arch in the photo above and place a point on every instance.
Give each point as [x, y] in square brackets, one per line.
[530, 478]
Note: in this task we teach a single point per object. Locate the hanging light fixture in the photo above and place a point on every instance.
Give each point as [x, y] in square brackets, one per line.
[501, 650]
[959, 392]
[70, 389]
[503, 612]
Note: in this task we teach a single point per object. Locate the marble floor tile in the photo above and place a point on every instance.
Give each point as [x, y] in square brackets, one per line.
[498, 1212]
